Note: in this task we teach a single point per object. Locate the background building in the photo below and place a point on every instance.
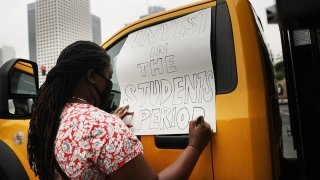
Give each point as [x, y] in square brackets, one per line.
[55, 24]
[96, 29]
[153, 10]
[32, 31]
[6, 53]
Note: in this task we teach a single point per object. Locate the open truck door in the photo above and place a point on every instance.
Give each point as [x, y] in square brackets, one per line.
[18, 89]
[299, 27]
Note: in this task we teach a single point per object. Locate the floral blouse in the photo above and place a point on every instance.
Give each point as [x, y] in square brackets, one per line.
[91, 143]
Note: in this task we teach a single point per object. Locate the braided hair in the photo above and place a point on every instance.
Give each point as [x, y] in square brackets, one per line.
[72, 64]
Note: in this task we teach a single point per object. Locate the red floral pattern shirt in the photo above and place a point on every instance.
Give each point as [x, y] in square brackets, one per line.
[91, 143]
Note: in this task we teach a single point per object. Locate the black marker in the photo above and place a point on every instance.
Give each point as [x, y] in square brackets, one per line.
[199, 119]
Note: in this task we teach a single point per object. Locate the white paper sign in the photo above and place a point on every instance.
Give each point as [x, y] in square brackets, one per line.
[166, 75]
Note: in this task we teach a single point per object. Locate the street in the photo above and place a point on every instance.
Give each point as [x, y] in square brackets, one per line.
[288, 150]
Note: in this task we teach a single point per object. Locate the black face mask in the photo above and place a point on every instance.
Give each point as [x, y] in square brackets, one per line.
[104, 96]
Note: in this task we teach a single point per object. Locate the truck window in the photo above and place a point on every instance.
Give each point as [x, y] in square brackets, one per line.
[22, 85]
[113, 53]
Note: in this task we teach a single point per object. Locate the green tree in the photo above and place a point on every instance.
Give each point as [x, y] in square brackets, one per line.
[279, 70]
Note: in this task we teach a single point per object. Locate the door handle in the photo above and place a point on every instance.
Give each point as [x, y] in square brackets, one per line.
[177, 141]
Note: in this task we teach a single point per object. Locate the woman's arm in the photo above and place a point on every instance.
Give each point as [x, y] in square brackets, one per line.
[183, 166]
[138, 168]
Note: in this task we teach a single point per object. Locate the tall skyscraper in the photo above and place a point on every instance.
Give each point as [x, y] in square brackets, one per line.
[55, 24]
[6, 53]
[32, 31]
[58, 24]
[96, 29]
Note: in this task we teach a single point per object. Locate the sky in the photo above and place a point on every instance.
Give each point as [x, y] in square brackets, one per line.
[113, 15]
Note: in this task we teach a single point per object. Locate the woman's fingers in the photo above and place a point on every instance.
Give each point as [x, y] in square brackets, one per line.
[129, 113]
[119, 110]
[199, 120]
[192, 125]
[122, 112]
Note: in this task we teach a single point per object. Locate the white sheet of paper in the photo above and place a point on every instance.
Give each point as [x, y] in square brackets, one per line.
[166, 75]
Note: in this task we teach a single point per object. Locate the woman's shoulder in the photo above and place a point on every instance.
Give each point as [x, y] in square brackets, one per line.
[87, 112]
[89, 118]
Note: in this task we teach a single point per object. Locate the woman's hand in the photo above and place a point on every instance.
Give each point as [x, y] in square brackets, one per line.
[122, 112]
[199, 133]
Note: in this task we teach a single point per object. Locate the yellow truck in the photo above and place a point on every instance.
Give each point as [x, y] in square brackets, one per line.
[247, 144]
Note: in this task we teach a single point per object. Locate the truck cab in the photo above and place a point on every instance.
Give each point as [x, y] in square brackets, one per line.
[247, 143]
[19, 84]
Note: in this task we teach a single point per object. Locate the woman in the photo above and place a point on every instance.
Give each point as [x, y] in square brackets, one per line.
[71, 137]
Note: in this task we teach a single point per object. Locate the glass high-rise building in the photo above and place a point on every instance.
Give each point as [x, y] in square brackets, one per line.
[32, 31]
[153, 10]
[96, 29]
[59, 23]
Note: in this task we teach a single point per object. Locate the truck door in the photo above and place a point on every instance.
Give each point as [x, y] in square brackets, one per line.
[300, 37]
[162, 150]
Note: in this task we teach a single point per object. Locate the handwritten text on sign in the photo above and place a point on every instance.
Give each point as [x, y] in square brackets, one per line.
[166, 76]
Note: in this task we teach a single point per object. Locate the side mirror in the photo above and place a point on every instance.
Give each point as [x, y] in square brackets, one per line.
[19, 86]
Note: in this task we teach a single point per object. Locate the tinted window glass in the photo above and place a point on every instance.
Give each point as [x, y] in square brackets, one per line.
[22, 83]
[22, 106]
[222, 44]
[113, 53]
